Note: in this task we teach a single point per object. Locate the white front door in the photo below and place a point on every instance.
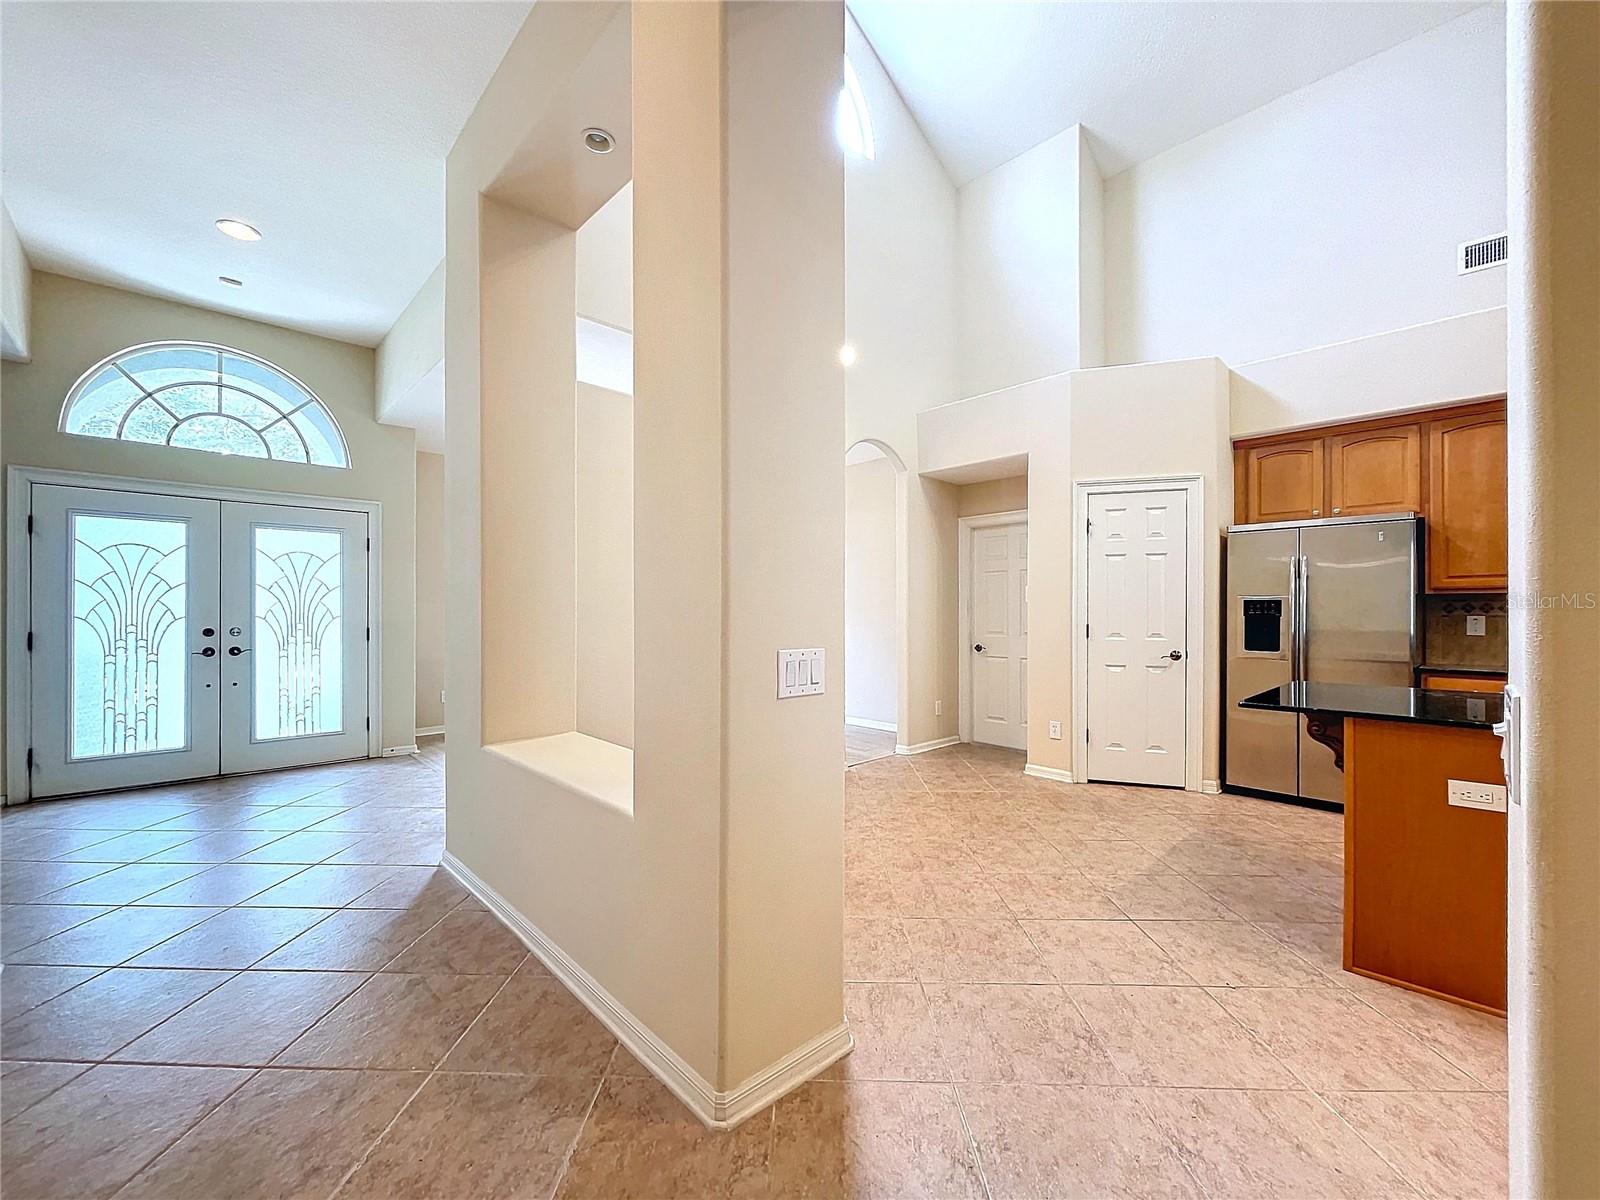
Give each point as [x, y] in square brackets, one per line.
[122, 639]
[294, 666]
[1138, 645]
[998, 637]
[175, 637]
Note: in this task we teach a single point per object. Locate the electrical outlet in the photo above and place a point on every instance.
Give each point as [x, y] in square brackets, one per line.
[1477, 625]
[1489, 797]
[938, 708]
[1055, 730]
[441, 695]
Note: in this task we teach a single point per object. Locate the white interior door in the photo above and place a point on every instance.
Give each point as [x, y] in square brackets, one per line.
[295, 636]
[1138, 646]
[998, 635]
[123, 622]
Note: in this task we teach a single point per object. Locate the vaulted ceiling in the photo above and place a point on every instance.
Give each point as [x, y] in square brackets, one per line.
[987, 81]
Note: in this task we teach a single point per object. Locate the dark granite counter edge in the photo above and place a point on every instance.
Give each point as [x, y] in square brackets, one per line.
[1268, 701]
[1441, 669]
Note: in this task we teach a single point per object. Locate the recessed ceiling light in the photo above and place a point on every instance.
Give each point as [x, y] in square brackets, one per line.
[598, 141]
[847, 355]
[239, 230]
[230, 281]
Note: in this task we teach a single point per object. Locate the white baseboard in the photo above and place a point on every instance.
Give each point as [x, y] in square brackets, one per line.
[1210, 787]
[866, 723]
[397, 751]
[1055, 773]
[431, 731]
[924, 747]
[718, 1110]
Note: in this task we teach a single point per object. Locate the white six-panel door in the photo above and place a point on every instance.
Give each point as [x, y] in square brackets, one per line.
[1137, 668]
[998, 636]
[176, 637]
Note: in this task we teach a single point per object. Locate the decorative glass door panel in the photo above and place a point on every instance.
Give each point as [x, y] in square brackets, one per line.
[175, 638]
[295, 650]
[124, 618]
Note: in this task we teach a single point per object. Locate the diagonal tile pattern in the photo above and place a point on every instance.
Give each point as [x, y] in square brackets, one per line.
[266, 986]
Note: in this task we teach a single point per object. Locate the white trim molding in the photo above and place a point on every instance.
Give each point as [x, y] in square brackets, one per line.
[964, 528]
[398, 751]
[716, 1109]
[924, 747]
[19, 582]
[1196, 669]
[861, 723]
[1211, 787]
[431, 731]
[1042, 772]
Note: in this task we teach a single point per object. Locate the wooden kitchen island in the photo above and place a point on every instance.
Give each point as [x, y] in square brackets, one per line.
[1425, 879]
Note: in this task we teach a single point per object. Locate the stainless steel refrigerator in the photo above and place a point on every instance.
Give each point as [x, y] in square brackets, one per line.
[1330, 601]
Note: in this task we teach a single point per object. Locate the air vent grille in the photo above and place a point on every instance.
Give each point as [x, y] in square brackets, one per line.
[1481, 254]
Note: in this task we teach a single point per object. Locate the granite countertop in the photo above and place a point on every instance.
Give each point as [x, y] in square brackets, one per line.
[1469, 710]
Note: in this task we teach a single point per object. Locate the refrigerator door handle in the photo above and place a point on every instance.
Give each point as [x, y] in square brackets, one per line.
[1294, 618]
[1303, 642]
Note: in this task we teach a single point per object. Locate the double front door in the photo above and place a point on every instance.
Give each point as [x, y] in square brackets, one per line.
[173, 637]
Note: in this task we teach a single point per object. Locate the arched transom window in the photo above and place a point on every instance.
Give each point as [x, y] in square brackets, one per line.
[201, 397]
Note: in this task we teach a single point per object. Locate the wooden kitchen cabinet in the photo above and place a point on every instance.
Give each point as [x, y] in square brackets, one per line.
[1448, 464]
[1466, 509]
[1284, 481]
[1375, 471]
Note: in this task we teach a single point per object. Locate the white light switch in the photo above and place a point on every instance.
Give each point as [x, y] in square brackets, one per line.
[800, 673]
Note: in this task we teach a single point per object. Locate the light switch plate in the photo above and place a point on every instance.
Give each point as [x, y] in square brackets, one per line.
[800, 673]
[1477, 625]
[1489, 797]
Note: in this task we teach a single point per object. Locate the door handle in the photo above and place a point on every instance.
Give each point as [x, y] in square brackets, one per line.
[235, 651]
[1174, 655]
[979, 648]
[209, 652]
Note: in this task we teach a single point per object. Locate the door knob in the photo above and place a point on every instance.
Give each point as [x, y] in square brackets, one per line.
[235, 651]
[1175, 655]
[209, 652]
[979, 647]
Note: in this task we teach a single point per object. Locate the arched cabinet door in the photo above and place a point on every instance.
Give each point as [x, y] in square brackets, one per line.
[1375, 471]
[1284, 482]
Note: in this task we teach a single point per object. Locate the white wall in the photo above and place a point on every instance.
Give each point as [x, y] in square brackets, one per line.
[432, 569]
[1329, 214]
[1029, 244]
[900, 311]
[870, 623]
[605, 263]
[16, 291]
[410, 387]
[603, 575]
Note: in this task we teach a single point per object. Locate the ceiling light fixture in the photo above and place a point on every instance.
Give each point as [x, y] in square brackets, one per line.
[847, 355]
[238, 230]
[230, 281]
[598, 141]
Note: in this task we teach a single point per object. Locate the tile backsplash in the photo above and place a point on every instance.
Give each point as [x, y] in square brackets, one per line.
[1445, 627]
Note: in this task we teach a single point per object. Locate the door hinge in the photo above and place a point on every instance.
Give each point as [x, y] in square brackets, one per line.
[30, 758]
[369, 543]
[369, 724]
[30, 524]
[30, 641]
[369, 633]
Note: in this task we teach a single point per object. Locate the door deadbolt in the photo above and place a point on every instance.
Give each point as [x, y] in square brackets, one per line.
[208, 632]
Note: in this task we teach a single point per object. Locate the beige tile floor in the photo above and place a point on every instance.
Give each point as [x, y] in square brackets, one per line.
[863, 745]
[266, 987]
